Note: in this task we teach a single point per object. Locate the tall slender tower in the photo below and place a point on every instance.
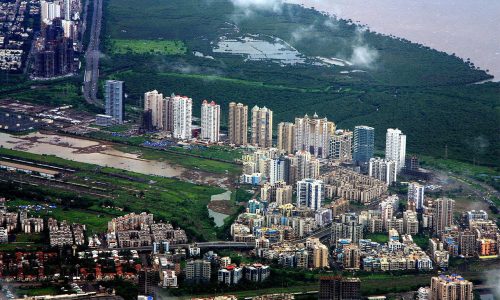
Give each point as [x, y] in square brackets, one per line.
[443, 214]
[286, 133]
[210, 121]
[178, 116]
[395, 147]
[154, 102]
[364, 142]
[113, 93]
[238, 124]
[262, 127]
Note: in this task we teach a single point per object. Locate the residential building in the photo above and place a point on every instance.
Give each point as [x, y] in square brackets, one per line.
[4, 235]
[148, 282]
[154, 102]
[238, 124]
[410, 222]
[113, 93]
[395, 147]
[310, 193]
[278, 192]
[262, 127]
[351, 259]
[341, 146]
[317, 253]
[347, 227]
[168, 279]
[286, 134]
[467, 243]
[443, 214]
[313, 135]
[416, 193]
[230, 275]
[447, 287]
[383, 169]
[339, 288]
[307, 166]
[352, 186]
[364, 143]
[210, 121]
[178, 116]
[198, 271]
[257, 272]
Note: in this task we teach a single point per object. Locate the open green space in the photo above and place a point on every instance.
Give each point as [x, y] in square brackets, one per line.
[377, 237]
[119, 46]
[181, 203]
[488, 175]
[32, 291]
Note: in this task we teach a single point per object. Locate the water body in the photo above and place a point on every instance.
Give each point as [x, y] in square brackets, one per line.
[87, 151]
[260, 48]
[470, 29]
[219, 217]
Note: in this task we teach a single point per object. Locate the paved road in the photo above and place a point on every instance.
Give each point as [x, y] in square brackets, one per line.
[91, 77]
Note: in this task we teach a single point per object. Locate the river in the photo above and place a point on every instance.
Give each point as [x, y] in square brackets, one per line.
[468, 28]
[87, 151]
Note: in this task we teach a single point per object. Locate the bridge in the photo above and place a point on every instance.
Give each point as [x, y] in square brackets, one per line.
[203, 245]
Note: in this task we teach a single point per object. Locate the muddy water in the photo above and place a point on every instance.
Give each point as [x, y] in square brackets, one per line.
[87, 151]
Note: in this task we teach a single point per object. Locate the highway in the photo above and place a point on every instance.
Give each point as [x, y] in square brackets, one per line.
[321, 234]
[91, 77]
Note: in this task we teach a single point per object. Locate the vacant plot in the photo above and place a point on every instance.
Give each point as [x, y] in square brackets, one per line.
[161, 47]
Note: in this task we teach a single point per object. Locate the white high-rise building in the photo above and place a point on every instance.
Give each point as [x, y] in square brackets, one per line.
[113, 94]
[416, 195]
[154, 102]
[49, 11]
[277, 169]
[67, 9]
[179, 116]
[395, 147]
[383, 169]
[210, 121]
[310, 193]
[313, 135]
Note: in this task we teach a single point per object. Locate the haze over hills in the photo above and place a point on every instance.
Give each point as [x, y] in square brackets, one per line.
[296, 61]
[467, 28]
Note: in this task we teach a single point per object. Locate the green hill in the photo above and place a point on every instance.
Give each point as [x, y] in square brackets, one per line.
[424, 92]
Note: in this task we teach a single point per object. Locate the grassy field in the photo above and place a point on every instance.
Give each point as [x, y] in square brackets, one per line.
[122, 46]
[377, 237]
[183, 204]
[32, 291]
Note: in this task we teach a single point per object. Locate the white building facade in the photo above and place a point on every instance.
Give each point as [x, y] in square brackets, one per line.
[310, 193]
[210, 121]
[395, 147]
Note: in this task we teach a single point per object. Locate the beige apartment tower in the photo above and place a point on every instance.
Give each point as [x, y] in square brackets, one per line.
[448, 287]
[286, 134]
[154, 102]
[443, 214]
[262, 127]
[238, 124]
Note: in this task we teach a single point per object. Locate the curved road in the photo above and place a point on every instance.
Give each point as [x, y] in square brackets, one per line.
[91, 77]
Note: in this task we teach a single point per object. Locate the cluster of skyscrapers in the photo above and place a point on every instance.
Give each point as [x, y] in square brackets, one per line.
[54, 53]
